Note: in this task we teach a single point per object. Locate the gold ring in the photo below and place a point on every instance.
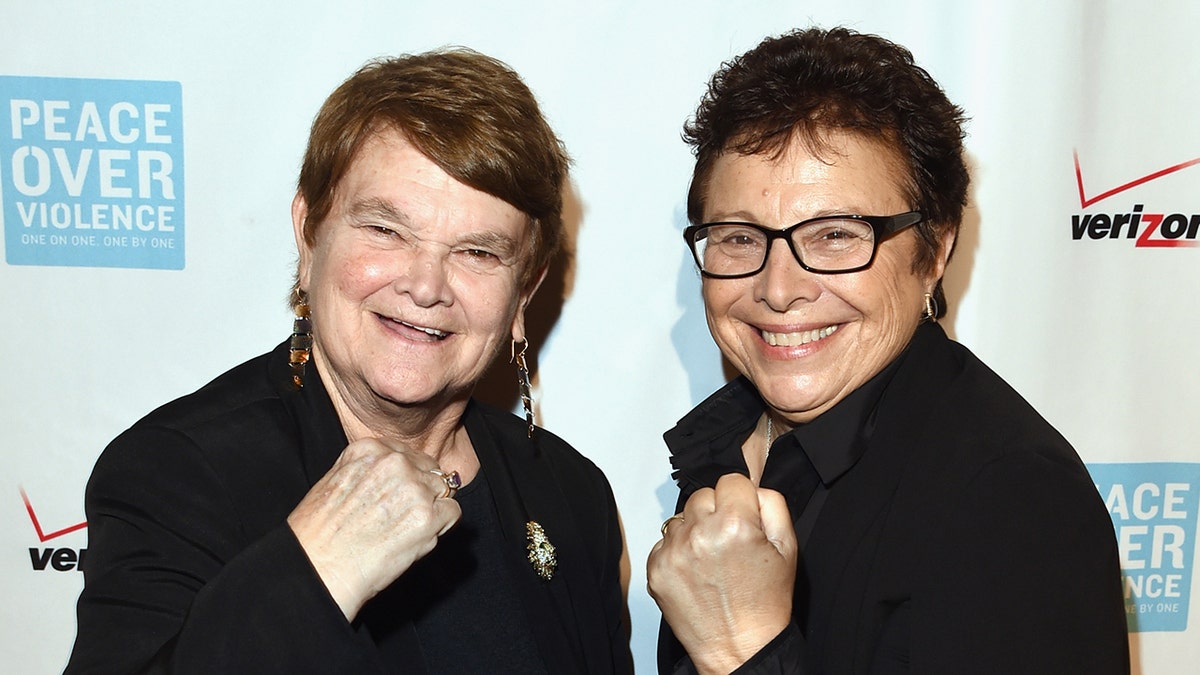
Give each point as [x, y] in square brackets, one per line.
[667, 523]
[452, 480]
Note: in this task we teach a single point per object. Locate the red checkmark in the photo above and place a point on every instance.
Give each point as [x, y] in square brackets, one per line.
[1085, 202]
[44, 537]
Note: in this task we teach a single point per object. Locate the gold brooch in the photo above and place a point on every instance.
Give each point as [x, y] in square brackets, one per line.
[541, 551]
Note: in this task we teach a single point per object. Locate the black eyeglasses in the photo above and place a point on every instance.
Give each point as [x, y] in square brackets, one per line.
[826, 245]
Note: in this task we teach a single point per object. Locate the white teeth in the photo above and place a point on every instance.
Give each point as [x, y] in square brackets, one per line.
[431, 331]
[795, 339]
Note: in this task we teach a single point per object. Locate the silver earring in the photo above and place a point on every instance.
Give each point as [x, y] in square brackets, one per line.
[931, 309]
[523, 381]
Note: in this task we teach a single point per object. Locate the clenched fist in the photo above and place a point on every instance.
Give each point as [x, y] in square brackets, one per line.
[723, 575]
[376, 512]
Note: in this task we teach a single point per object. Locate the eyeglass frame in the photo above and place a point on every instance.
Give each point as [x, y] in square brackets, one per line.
[883, 227]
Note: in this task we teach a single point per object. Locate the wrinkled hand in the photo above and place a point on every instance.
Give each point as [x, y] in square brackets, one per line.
[376, 512]
[723, 576]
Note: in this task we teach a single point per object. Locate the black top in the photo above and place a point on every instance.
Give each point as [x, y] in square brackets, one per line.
[802, 463]
[191, 567]
[462, 593]
[958, 531]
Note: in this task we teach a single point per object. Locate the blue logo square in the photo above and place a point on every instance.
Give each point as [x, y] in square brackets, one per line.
[1154, 510]
[91, 172]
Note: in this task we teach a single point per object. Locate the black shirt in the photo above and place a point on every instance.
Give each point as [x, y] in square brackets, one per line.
[803, 463]
[463, 594]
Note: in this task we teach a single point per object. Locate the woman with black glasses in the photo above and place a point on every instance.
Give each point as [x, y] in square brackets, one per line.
[868, 497]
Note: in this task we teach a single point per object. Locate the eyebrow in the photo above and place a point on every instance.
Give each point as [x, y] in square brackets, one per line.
[376, 208]
[740, 216]
[373, 208]
[732, 216]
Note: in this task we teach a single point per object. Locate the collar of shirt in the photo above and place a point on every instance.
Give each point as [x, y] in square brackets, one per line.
[707, 443]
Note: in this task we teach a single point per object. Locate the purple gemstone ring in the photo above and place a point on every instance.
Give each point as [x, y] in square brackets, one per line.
[452, 480]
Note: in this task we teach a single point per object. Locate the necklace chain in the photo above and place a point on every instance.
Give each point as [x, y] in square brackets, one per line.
[770, 437]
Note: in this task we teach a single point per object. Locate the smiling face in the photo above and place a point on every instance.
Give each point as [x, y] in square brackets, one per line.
[807, 340]
[414, 282]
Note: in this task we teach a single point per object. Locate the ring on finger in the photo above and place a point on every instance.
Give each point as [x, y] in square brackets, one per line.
[452, 480]
[668, 521]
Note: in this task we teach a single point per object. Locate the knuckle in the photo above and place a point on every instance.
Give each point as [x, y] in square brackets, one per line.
[363, 452]
[422, 515]
[732, 526]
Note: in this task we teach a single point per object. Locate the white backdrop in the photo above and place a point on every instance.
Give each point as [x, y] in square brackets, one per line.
[1097, 331]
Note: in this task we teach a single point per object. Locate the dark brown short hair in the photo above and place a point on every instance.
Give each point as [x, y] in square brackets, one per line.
[805, 83]
[469, 113]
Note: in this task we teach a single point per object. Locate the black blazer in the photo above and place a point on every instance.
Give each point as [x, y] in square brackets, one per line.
[191, 567]
[969, 538]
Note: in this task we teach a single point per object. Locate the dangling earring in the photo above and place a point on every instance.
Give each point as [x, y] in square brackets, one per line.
[540, 551]
[523, 381]
[931, 309]
[301, 343]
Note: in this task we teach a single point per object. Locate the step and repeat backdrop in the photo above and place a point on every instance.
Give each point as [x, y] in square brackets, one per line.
[149, 152]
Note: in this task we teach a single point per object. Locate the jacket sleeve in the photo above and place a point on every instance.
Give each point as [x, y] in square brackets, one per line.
[783, 655]
[1023, 575]
[616, 608]
[174, 583]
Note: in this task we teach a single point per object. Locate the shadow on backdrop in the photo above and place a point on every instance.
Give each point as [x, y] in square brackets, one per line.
[499, 384]
[701, 360]
[958, 273]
